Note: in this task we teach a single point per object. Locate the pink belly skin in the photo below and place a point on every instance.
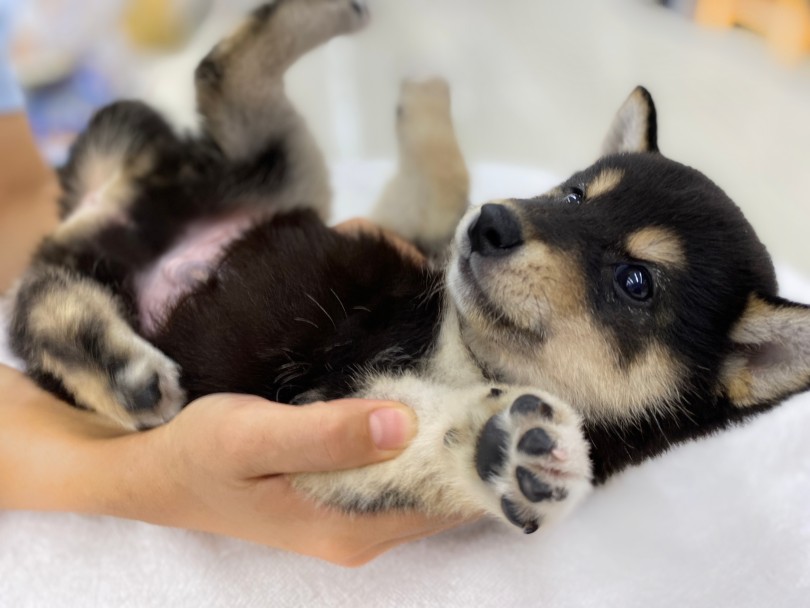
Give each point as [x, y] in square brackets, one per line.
[188, 263]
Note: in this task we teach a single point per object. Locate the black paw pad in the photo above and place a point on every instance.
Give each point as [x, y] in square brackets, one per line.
[147, 398]
[531, 404]
[512, 513]
[536, 442]
[490, 452]
[532, 488]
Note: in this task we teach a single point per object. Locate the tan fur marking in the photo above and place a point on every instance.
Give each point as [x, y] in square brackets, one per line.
[604, 183]
[107, 180]
[579, 363]
[657, 245]
[541, 289]
[89, 389]
[536, 283]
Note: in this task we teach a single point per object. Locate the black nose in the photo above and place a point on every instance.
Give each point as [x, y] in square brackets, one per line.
[496, 232]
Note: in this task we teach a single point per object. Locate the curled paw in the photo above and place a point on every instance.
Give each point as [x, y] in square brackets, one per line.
[534, 457]
[148, 386]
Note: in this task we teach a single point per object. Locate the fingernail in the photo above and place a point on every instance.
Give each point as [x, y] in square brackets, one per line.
[391, 428]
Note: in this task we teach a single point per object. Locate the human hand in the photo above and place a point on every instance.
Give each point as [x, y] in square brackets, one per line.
[222, 466]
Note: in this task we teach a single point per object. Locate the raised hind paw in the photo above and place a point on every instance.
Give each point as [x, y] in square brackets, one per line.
[534, 457]
[429, 194]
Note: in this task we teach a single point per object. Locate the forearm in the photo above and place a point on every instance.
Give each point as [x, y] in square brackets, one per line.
[28, 197]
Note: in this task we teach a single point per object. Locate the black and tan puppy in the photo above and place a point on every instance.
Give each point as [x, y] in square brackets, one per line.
[635, 293]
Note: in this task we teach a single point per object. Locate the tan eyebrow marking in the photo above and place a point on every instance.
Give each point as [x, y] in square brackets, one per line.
[657, 245]
[606, 181]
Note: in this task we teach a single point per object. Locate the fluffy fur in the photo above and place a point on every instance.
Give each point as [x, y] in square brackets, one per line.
[562, 339]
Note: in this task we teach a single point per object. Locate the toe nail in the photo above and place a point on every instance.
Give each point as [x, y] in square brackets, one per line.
[536, 442]
[531, 527]
[532, 488]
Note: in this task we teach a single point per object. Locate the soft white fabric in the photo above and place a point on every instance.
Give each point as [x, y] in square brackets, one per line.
[722, 522]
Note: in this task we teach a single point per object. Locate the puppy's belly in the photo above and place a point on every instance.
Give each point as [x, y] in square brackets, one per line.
[190, 261]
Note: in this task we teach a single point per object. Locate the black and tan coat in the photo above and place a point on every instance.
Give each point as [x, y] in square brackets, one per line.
[562, 339]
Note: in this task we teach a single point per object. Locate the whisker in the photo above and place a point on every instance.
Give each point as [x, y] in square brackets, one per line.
[300, 320]
[340, 302]
[323, 309]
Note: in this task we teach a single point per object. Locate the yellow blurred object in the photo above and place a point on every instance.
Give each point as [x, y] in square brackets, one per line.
[163, 24]
[785, 23]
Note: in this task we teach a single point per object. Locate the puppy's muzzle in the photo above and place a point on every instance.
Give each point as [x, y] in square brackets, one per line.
[496, 232]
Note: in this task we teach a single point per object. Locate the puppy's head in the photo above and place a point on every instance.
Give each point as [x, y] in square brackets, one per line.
[633, 289]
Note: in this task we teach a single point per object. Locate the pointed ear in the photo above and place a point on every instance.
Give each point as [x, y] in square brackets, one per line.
[771, 356]
[635, 128]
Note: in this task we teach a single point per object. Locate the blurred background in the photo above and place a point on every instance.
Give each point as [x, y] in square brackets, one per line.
[535, 83]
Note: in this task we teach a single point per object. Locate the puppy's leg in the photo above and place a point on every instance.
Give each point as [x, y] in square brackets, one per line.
[244, 107]
[71, 333]
[127, 157]
[123, 192]
[426, 199]
[516, 453]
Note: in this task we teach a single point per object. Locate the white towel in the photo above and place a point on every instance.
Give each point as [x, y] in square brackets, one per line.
[721, 522]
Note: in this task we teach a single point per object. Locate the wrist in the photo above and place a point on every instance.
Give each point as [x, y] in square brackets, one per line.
[129, 476]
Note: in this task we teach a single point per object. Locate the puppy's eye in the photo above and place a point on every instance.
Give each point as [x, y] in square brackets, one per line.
[634, 282]
[575, 196]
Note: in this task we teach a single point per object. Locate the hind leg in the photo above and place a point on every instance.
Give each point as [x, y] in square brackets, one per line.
[72, 334]
[122, 188]
[245, 110]
[123, 195]
[430, 192]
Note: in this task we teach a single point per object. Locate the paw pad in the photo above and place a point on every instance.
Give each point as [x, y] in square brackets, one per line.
[512, 513]
[527, 405]
[531, 487]
[536, 442]
[490, 452]
[533, 457]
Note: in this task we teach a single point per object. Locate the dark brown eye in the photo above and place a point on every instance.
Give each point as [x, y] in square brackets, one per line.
[575, 196]
[634, 281]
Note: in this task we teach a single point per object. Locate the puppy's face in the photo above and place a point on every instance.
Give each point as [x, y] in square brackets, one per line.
[627, 289]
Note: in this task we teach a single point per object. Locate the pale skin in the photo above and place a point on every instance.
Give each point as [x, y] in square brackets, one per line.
[221, 466]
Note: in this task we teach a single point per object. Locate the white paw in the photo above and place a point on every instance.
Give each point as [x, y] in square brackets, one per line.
[534, 457]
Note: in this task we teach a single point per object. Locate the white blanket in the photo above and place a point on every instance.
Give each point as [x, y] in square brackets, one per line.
[722, 522]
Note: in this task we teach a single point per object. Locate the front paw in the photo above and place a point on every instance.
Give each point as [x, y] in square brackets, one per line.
[534, 456]
[148, 386]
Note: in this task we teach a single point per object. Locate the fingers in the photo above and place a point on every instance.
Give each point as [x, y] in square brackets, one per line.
[349, 540]
[270, 439]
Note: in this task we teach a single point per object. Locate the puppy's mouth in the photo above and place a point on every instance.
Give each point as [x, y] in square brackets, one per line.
[472, 297]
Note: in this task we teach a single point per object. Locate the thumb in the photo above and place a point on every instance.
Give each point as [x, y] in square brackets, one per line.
[332, 436]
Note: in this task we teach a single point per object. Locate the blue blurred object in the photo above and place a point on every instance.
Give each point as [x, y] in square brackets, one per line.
[11, 98]
[59, 112]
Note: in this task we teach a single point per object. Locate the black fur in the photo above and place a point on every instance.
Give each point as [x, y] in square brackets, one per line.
[695, 307]
[303, 309]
